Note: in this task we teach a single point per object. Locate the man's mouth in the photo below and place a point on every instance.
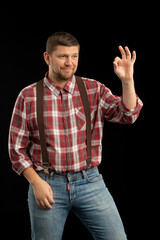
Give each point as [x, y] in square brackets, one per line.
[67, 69]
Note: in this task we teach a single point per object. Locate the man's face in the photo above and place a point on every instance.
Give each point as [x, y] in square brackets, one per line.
[63, 62]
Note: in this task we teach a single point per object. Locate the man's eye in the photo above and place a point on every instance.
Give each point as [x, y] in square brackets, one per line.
[61, 56]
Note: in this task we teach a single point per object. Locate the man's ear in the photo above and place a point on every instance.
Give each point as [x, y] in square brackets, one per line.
[46, 58]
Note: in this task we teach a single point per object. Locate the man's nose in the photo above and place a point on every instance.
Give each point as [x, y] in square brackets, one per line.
[68, 61]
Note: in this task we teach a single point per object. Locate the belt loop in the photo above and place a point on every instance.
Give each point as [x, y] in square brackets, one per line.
[84, 174]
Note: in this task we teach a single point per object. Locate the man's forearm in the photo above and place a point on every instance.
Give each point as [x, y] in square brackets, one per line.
[129, 94]
[31, 175]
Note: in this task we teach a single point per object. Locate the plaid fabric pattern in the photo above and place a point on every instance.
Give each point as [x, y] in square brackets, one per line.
[65, 125]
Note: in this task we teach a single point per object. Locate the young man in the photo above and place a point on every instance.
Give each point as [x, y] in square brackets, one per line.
[70, 184]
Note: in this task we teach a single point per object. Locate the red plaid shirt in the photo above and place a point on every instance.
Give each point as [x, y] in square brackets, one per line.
[65, 125]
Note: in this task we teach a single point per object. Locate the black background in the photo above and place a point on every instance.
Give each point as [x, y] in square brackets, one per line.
[100, 30]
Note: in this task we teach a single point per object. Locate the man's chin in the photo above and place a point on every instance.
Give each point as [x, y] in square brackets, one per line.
[66, 76]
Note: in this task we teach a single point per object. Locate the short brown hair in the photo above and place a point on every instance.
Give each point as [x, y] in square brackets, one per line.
[60, 38]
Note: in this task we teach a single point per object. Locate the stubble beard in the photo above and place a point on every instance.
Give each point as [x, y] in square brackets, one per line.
[63, 77]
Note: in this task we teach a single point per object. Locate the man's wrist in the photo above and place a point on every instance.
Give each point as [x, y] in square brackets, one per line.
[31, 175]
[128, 82]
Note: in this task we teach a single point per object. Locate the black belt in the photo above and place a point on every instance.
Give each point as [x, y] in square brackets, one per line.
[48, 171]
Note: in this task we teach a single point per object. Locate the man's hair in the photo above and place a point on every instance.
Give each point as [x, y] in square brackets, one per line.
[60, 39]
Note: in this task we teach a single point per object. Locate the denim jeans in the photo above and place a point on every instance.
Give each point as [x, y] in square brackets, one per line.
[87, 196]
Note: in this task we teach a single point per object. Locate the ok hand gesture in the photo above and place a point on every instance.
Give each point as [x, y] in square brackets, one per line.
[124, 67]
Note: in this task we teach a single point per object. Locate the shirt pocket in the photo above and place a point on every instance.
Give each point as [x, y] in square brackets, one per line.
[80, 118]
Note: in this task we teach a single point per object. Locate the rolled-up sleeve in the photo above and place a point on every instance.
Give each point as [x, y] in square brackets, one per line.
[114, 109]
[19, 137]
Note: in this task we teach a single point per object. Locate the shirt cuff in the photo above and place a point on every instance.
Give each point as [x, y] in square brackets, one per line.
[132, 111]
[19, 167]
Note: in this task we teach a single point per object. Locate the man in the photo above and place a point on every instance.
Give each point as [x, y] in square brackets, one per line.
[69, 184]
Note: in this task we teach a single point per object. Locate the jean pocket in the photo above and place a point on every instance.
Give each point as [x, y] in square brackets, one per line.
[94, 177]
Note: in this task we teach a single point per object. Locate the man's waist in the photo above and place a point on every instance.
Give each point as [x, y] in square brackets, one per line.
[50, 172]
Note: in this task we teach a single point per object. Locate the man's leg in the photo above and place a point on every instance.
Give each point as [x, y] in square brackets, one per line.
[96, 209]
[49, 224]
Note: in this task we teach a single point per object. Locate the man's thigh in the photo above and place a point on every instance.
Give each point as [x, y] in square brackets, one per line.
[96, 209]
[48, 224]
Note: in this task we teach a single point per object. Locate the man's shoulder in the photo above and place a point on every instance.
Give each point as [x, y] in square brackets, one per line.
[29, 91]
[91, 83]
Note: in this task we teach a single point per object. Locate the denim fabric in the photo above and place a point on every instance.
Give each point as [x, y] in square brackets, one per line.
[87, 197]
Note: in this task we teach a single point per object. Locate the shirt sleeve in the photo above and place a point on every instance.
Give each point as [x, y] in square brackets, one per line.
[19, 137]
[114, 109]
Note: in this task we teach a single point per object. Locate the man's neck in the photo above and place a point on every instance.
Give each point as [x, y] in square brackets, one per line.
[59, 82]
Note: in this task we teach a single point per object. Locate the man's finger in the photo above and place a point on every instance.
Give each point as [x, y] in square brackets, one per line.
[41, 204]
[115, 65]
[46, 204]
[128, 53]
[122, 52]
[50, 199]
[134, 56]
[117, 59]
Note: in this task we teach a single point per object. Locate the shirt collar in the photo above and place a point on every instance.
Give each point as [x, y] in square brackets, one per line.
[69, 87]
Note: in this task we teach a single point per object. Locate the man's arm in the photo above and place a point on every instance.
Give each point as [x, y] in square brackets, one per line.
[129, 95]
[21, 163]
[124, 69]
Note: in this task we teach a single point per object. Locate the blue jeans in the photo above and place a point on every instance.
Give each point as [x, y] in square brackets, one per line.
[87, 196]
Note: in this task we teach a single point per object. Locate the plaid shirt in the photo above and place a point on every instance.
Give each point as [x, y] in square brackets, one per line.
[65, 125]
